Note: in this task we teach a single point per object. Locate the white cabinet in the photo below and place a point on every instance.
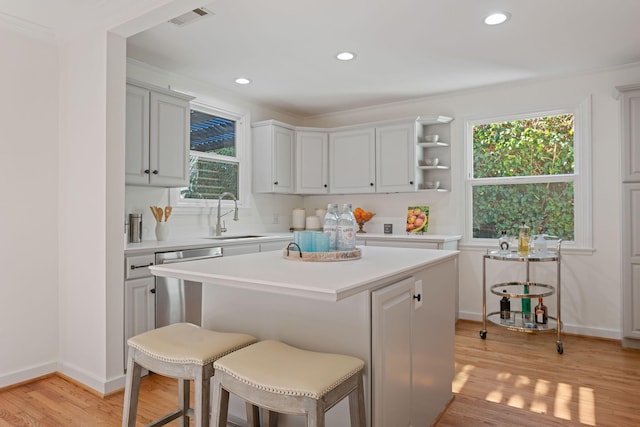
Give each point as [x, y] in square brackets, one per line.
[395, 158]
[630, 159]
[631, 261]
[352, 158]
[312, 162]
[249, 248]
[630, 112]
[392, 349]
[157, 137]
[273, 157]
[139, 297]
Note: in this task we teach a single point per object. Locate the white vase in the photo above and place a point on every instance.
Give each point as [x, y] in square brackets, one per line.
[162, 230]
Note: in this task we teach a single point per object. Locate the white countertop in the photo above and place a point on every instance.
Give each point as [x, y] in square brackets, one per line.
[329, 281]
[150, 246]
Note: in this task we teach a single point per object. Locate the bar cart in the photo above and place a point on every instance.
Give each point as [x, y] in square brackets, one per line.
[526, 289]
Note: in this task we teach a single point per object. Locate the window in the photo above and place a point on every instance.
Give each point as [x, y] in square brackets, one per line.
[531, 168]
[215, 161]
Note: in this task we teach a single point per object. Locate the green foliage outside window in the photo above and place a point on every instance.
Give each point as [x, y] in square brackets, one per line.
[537, 147]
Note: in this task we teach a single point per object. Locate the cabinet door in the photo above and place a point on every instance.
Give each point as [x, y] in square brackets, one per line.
[631, 135]
[352, 159]
[392, 330]
[312, 158]
[395, 158]
[273, 147]
[631, 261]
[169, 141]
[139, 308]
[137, 136]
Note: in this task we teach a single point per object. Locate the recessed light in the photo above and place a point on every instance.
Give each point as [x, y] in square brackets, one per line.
[243, 81]
[345, 56]
[497, 18]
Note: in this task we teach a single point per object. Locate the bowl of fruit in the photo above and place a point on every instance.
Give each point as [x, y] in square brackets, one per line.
[362, 217]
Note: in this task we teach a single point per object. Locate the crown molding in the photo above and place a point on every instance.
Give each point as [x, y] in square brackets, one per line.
[28, 28]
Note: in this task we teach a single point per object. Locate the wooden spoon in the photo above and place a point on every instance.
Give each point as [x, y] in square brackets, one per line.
[167, 212]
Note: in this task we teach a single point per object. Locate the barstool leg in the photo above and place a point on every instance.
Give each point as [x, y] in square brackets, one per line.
[131, 392]
[220, 404]
[356, 405]
[184, 400]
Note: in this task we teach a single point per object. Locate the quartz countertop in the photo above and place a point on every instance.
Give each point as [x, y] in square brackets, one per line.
[329, 281]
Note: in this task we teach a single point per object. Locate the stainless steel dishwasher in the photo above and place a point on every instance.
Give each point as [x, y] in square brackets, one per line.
[180, 300]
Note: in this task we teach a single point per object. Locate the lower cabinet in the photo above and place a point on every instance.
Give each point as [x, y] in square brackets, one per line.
[392, 349]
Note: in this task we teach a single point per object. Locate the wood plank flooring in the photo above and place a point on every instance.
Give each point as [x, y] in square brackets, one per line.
[509, 379]
[519, 379]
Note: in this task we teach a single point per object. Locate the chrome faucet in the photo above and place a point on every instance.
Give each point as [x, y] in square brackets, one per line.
[220, 229]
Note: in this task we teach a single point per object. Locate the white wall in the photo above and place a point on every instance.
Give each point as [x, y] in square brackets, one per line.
[29, 213]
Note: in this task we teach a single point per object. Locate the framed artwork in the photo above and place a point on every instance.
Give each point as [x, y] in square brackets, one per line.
[417, 219]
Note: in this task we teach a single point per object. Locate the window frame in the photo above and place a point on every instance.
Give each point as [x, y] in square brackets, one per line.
[581, 178]
[243, 134]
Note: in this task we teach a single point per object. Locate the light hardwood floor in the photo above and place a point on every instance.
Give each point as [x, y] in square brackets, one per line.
[509, 379]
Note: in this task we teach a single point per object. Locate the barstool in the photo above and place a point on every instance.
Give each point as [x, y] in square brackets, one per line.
[183, 351]
[280, 378]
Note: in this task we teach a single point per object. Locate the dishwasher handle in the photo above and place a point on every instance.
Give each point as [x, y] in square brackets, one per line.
[173, 261]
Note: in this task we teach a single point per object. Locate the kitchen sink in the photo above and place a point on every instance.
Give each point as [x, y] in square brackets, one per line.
[235, 237]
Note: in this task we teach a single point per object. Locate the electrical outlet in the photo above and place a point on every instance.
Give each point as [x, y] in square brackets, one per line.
[275, 218]
[417, 294]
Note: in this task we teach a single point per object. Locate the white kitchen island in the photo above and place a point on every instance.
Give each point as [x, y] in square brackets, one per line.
[394, 308]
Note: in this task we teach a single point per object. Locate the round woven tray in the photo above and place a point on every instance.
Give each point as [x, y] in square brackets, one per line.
[294, 255]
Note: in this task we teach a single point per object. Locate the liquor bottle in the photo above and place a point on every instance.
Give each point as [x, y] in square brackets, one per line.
[346, 240]
[541, 312]
[526, 302]
[524, 236]
[505, 307]
[330, 225]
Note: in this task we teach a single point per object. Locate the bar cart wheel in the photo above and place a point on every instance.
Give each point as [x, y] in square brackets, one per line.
[483, 335]
[559, 347]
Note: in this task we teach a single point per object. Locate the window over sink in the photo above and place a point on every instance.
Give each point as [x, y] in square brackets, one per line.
[218, 143]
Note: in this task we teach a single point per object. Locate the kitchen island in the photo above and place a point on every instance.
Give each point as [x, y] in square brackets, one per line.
[393, 308]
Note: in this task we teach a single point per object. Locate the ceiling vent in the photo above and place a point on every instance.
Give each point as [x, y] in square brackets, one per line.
[191, 16]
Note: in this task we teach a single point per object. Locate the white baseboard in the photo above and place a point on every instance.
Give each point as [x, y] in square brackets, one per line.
[101, 385]
[28, 374]
[567, 328]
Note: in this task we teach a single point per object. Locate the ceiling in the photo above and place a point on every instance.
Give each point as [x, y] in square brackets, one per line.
[405, 48]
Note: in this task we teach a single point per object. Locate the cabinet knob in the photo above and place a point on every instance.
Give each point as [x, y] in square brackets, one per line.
[418, 297]
[275, 183]
[325, 186]
[155, 172]
[371, 184]
[411, 182]
[153, 291]
[147, 171]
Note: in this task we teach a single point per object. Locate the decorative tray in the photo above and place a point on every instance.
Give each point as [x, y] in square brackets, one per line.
[295, 255]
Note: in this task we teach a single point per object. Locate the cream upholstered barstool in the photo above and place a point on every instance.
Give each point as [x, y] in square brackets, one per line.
[183, 351]
[285, 379]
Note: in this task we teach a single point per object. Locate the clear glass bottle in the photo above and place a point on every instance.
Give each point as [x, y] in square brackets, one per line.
[330, 225]
[524, 238]
[503, 243]
[346, 240]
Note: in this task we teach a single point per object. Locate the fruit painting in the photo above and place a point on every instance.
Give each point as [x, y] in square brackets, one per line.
[417, 219]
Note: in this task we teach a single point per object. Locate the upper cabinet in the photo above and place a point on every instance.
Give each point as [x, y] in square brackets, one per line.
[352, 157]
[382, 157]
[312, 162]
[395, 158]
[630, 117]
[157, 137]
[273, 157]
